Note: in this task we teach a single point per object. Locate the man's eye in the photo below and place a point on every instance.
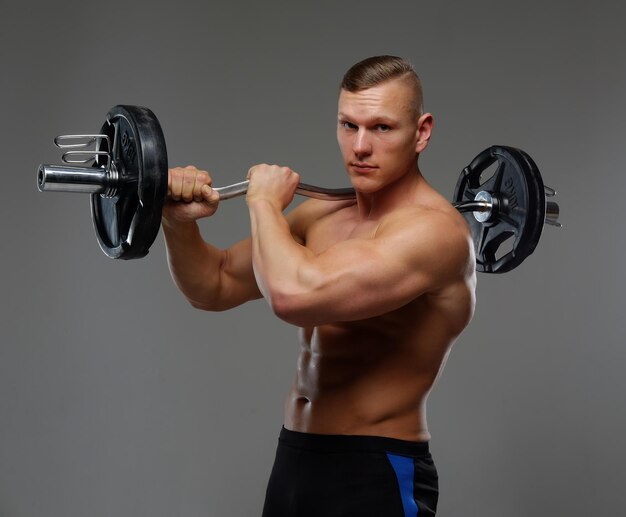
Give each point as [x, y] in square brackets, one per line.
[383, 127]
[348, 125]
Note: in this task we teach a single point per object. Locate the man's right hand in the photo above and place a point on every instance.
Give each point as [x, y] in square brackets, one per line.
[189, 195]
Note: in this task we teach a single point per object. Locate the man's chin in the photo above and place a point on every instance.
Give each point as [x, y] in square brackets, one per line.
[364, 185]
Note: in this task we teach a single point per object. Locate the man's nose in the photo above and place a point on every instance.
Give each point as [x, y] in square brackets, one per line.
[362, 145]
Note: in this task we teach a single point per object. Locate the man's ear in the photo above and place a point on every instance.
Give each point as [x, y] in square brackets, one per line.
[424, 130]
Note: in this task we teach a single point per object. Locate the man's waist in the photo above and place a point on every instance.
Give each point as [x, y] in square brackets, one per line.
[352, 443]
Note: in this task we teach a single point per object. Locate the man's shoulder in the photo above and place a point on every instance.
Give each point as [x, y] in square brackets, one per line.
[437, 233]
[433, 219]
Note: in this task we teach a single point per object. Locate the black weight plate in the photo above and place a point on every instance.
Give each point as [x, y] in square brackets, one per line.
[518, 221]
[539, 214]
[127, 223]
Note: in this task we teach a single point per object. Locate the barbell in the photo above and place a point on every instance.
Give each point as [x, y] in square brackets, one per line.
[127, 181]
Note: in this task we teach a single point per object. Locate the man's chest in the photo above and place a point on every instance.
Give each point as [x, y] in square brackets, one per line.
[336, 228]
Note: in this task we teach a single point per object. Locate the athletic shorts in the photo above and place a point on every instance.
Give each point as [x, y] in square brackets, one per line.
[340, 475]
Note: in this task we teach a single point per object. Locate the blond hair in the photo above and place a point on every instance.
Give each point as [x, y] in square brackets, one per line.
[379, 69]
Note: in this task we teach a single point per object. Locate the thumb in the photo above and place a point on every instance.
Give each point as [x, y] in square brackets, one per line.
[210, 195]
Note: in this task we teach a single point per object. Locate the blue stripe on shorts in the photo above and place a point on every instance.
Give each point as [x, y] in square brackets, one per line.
[405, 472]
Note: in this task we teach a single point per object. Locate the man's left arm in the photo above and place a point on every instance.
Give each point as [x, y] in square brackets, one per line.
[354, 279]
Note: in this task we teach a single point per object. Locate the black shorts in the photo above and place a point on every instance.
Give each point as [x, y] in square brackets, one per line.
[330, 476]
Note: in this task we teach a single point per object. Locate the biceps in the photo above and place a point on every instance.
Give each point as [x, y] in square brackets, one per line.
[352, 283]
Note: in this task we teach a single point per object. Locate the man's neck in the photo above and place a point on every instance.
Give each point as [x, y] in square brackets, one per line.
[401, 192]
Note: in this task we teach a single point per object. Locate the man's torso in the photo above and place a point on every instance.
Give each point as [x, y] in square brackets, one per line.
[372, 377]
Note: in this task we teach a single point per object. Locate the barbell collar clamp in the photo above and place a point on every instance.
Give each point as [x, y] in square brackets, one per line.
[80, 141]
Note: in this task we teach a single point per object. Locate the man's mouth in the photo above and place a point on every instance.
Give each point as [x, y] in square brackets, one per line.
[362, 166]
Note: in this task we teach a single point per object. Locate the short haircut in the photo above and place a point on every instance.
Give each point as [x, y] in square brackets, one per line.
[379, 69]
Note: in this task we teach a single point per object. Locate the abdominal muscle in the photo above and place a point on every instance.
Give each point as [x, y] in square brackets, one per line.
[371, 377]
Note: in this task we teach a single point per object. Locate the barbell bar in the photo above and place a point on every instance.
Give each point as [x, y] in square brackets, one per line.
[127, 182]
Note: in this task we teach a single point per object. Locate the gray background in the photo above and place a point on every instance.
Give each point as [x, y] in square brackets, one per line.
[117, 398]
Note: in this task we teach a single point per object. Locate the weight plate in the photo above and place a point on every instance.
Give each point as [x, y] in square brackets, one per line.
[511, 234]
[127, 223]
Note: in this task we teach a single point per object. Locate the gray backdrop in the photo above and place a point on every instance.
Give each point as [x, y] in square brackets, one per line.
[117, 398]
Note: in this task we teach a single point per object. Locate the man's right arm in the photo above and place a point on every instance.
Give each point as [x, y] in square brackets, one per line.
[210, 278]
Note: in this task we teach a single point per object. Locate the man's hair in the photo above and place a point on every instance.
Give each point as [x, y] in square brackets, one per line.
[379, 69]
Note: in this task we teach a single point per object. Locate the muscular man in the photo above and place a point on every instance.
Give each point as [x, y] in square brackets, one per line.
[379, 287]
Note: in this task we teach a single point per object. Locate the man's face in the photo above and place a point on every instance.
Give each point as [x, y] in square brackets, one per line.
[378, 131]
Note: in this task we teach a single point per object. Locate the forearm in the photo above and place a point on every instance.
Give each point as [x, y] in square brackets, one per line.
[194, 264]
[282, 267]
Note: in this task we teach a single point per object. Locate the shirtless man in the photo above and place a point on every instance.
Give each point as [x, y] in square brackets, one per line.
[380, 288]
